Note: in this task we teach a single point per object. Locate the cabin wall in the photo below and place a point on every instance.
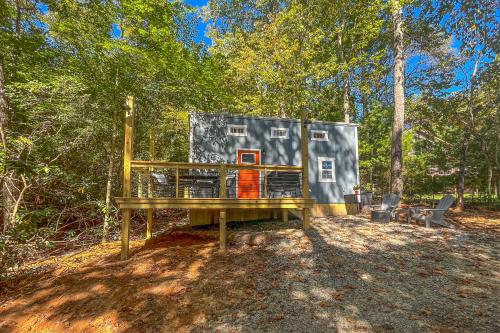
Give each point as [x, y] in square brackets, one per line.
[210, 143]
[342, 145]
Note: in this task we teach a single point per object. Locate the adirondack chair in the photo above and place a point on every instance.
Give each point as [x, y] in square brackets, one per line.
[387, 210]
[433, 215]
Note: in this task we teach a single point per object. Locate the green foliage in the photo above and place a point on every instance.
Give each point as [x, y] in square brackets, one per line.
[284, 56]
[69, 68]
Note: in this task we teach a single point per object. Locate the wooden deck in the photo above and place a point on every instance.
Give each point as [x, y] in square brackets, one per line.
[214, 203]
[127, 202]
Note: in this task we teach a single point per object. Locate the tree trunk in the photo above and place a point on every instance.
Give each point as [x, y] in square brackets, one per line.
[4, 107]
[497, 187]
[461, 178]
[346, 99]
[489, 178]
[109, 184]
[399, 101]
[364, 99]
[6, 177]
[346, 74]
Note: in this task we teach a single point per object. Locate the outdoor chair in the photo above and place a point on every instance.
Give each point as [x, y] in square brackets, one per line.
[432, 215]
[387, 210]
[203, 188]
[283, 184]
[231, 185]
[161, 186]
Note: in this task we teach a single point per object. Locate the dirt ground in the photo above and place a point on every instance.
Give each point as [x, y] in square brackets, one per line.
[343, 275]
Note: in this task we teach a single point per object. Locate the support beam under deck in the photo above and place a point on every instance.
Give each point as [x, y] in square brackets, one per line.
[213, 203]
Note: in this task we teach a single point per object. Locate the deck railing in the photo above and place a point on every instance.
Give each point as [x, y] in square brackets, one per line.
[160, 179]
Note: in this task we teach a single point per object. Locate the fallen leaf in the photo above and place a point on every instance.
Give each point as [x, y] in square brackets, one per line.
[325, 304]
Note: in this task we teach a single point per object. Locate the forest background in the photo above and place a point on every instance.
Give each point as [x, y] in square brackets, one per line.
[66, 67]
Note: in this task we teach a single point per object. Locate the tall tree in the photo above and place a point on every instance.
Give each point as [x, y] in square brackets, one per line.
[474, 25]
[399, 100]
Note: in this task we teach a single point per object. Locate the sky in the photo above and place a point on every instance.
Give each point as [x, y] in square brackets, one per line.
[201, 28]
[201, 37]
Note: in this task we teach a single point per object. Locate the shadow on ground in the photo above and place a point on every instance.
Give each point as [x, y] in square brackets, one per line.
[344, 275]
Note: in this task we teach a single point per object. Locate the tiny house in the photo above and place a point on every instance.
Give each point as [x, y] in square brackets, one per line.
[232, 183]
[333, 166]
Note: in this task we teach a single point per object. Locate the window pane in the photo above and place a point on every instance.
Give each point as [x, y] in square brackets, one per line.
[279, 133]
[248, 158]
[326, 174]
[237, 130]
[319, 135]
[327, 165]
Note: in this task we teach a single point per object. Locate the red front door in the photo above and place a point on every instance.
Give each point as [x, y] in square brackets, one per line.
[248, 180]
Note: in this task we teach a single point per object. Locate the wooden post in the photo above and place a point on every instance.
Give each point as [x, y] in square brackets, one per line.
[222, 212]
[222, 184]
[265, 184]
[152, 157]
[304, 148]
[285, 215]
[306, 216]
[127, 158]
[149, 223]
[275, 213]
[222, 229]
[125, 233]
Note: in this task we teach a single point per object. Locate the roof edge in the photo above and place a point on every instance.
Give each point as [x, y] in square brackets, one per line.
[237, 115]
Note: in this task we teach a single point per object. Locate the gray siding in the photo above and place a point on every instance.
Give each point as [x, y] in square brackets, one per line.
[210, 143]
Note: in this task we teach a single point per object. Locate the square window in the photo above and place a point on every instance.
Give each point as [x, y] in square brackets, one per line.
[279, 133]
[319, 135]
[237, 130]
[248, 158]
[326, 169]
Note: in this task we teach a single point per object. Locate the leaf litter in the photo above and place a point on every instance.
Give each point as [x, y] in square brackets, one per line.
[345, 274]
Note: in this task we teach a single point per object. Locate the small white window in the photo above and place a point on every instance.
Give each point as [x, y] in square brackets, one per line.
[279, 133]
[248, 158]
[319, 135]
[326, 168]
[237, 130]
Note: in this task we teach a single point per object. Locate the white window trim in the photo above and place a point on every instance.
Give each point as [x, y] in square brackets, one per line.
[320, 170]
[237, 126]
[317, 139]
[287, 136]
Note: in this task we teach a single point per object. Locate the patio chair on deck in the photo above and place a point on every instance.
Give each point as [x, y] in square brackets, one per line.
[283, 185]
[387, 210]
[205, 188]
[433, 215]
[161, 186]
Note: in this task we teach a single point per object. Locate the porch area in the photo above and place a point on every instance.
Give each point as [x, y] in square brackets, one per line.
[209, 188]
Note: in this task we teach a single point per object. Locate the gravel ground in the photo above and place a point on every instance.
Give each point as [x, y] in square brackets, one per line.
[345, 274]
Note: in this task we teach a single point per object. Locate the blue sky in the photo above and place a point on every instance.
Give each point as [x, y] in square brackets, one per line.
[201, 37]
[202, 26]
